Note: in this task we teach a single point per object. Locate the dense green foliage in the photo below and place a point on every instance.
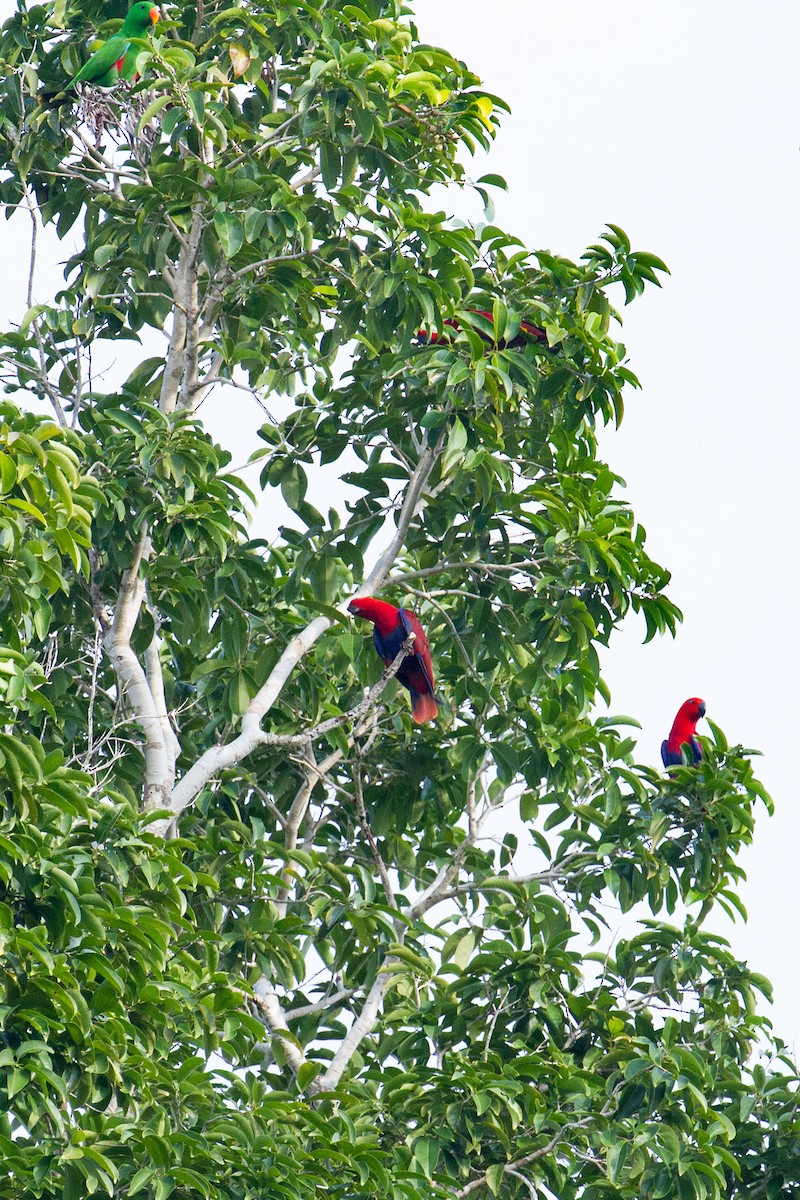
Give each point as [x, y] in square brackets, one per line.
[261, 935]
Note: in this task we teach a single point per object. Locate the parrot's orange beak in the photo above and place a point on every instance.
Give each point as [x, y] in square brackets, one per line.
[155, 15]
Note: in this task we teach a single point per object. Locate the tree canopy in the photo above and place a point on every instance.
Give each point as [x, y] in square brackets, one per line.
[263, 936]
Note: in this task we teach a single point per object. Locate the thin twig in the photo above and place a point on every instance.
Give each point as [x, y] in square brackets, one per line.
[368, 834]
[514, 1166]
[309, 1010]
[486, 568]
[96, 651]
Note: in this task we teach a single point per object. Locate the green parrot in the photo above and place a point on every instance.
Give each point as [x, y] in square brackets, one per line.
[116, 58]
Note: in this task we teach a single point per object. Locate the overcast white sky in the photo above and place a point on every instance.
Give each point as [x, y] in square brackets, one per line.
[680, 123]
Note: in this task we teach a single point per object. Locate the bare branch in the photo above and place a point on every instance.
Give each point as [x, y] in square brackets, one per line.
[366, 1019]
[131, 592]
[34, 233]
[155, 681]
[197, 392]
[523, 1179]
[440, 886]
[180, 369]
[95, 663]
[47, 387]
[291, 823]
[269, 804]
[191, 354]
[198, 20]
[498, 1008]
[77, 390]
[314, 773]
[448, 620]
[243, 272]
[569, 867]
[267, 141]
[408, 510]
[309, 177]
[472, 826]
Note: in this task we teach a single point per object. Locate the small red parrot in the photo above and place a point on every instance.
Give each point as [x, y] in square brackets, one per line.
[527, 331]
[683, 733]
[392, 627]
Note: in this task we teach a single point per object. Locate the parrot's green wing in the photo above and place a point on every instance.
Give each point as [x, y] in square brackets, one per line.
[101, 69]
[127, 70]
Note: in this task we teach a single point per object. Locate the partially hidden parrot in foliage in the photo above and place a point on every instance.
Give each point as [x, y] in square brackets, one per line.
[683, 733]
[527, 331]
[392, 627]
[116, 58]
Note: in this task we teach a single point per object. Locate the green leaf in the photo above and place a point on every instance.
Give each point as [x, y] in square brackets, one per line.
[307, 1073]
[331, 164]
[230, 232]
[293, 485]
[151, 112]
[456, 445]
[495, 1175]
[8, 473]
[426, 1153]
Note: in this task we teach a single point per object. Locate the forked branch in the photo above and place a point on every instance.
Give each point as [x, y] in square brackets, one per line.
[218, 758]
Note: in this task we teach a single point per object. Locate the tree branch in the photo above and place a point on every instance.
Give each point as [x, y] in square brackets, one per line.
[269, 262]
[499, 883]
[159, 772]
[368, 834]
[217, 758]
[438, 888]
[155, 682]
[366, 1019]
[534, 1156]
[486, 568]
[308, 1010]
[275, 1020]
[181, 365]
[362, 1025]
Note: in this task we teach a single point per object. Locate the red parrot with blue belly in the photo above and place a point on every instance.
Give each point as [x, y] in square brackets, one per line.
[683, 733]
[392, 627]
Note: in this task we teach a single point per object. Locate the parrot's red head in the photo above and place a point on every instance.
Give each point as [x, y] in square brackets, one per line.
[685, 723]
[383, 616]
[693, 709]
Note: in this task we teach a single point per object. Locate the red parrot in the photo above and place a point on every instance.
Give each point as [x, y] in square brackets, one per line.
[683, 733]
[392, 627]
[527, 331]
